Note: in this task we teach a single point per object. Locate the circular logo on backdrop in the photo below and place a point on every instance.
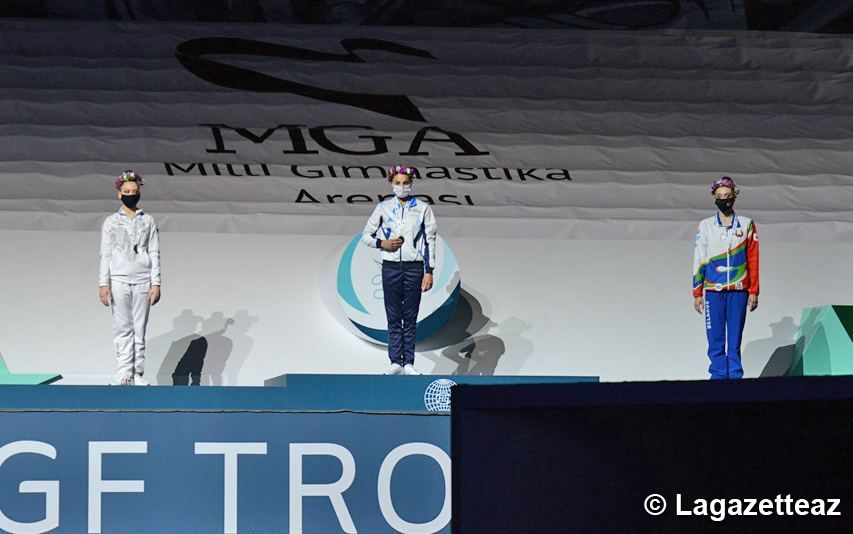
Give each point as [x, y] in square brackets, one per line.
[437, 395]
[359, 284]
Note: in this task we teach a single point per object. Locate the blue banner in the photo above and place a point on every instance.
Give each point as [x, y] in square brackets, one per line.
[171, 472]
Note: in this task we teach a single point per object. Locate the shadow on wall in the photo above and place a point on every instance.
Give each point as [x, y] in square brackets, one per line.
[184, 332]
[777, 350]
[243, 344]
[472, 344]
[205, 351]
[226, 354]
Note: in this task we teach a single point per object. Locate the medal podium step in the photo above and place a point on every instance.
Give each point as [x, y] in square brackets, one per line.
[421, 393]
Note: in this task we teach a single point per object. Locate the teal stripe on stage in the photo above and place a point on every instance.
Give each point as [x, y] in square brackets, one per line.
[391, 393]
[375, 393]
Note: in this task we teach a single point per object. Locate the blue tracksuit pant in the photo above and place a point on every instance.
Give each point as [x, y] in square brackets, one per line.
[725, 315]
[401, 286]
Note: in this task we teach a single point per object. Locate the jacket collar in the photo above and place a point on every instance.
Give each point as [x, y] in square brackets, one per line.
[735, 221]
[412, 202]
[138, 212]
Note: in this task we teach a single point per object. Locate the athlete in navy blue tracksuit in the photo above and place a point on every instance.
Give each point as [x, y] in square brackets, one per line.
[404, 229]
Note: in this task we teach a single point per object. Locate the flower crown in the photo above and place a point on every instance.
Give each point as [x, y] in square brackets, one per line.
[725, 181]
[129, 176]
[400, 169]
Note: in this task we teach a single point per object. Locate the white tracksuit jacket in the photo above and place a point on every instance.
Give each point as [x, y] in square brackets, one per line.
[414, 222]
[130, 249]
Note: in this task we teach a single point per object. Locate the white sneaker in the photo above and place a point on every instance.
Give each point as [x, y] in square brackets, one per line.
[139, 381]
[122, 379]
[395, 369]
[409, 369]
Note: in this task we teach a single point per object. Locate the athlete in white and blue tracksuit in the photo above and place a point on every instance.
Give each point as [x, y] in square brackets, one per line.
[404, 230]
[725, 271]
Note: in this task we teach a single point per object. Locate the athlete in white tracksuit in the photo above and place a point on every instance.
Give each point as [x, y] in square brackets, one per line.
[129, 277]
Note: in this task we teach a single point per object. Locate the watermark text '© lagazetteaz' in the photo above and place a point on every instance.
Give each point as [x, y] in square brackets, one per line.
[720, 509]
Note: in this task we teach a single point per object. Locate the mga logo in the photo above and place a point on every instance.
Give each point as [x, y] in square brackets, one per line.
[204, 58]
[359, 284]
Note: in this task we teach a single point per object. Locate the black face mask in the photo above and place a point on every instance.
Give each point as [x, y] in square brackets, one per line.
[130, 200]
[725, 204]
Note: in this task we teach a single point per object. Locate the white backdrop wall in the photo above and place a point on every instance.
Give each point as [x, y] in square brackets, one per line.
[585, 271]
[572, 313]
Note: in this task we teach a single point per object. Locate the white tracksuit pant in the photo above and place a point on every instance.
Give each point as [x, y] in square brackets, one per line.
[130, 317]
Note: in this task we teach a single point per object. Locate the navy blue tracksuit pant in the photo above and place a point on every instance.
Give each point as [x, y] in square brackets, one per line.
[401, 285]
[725, 315]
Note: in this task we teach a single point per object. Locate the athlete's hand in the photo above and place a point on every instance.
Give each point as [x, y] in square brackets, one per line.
[154, 295]
[426, 284]
[105, 295]
[699, 304]
[752, 302]
[392, 244]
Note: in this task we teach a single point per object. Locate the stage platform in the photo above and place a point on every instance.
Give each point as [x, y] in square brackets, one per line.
[396, 393]
[654, 457]
[295, 392]
[314, 453]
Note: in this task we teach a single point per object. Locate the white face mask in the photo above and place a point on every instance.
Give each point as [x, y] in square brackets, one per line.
[403, 191]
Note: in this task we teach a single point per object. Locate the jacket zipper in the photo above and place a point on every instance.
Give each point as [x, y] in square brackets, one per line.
[402, 217]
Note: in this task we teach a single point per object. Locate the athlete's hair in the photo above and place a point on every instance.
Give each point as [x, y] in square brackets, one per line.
[725, 181]
[401, 169]
[129, 176]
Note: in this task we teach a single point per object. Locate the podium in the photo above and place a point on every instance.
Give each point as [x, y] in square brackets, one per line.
[610, 457]
[401, 394]
[378, 445]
